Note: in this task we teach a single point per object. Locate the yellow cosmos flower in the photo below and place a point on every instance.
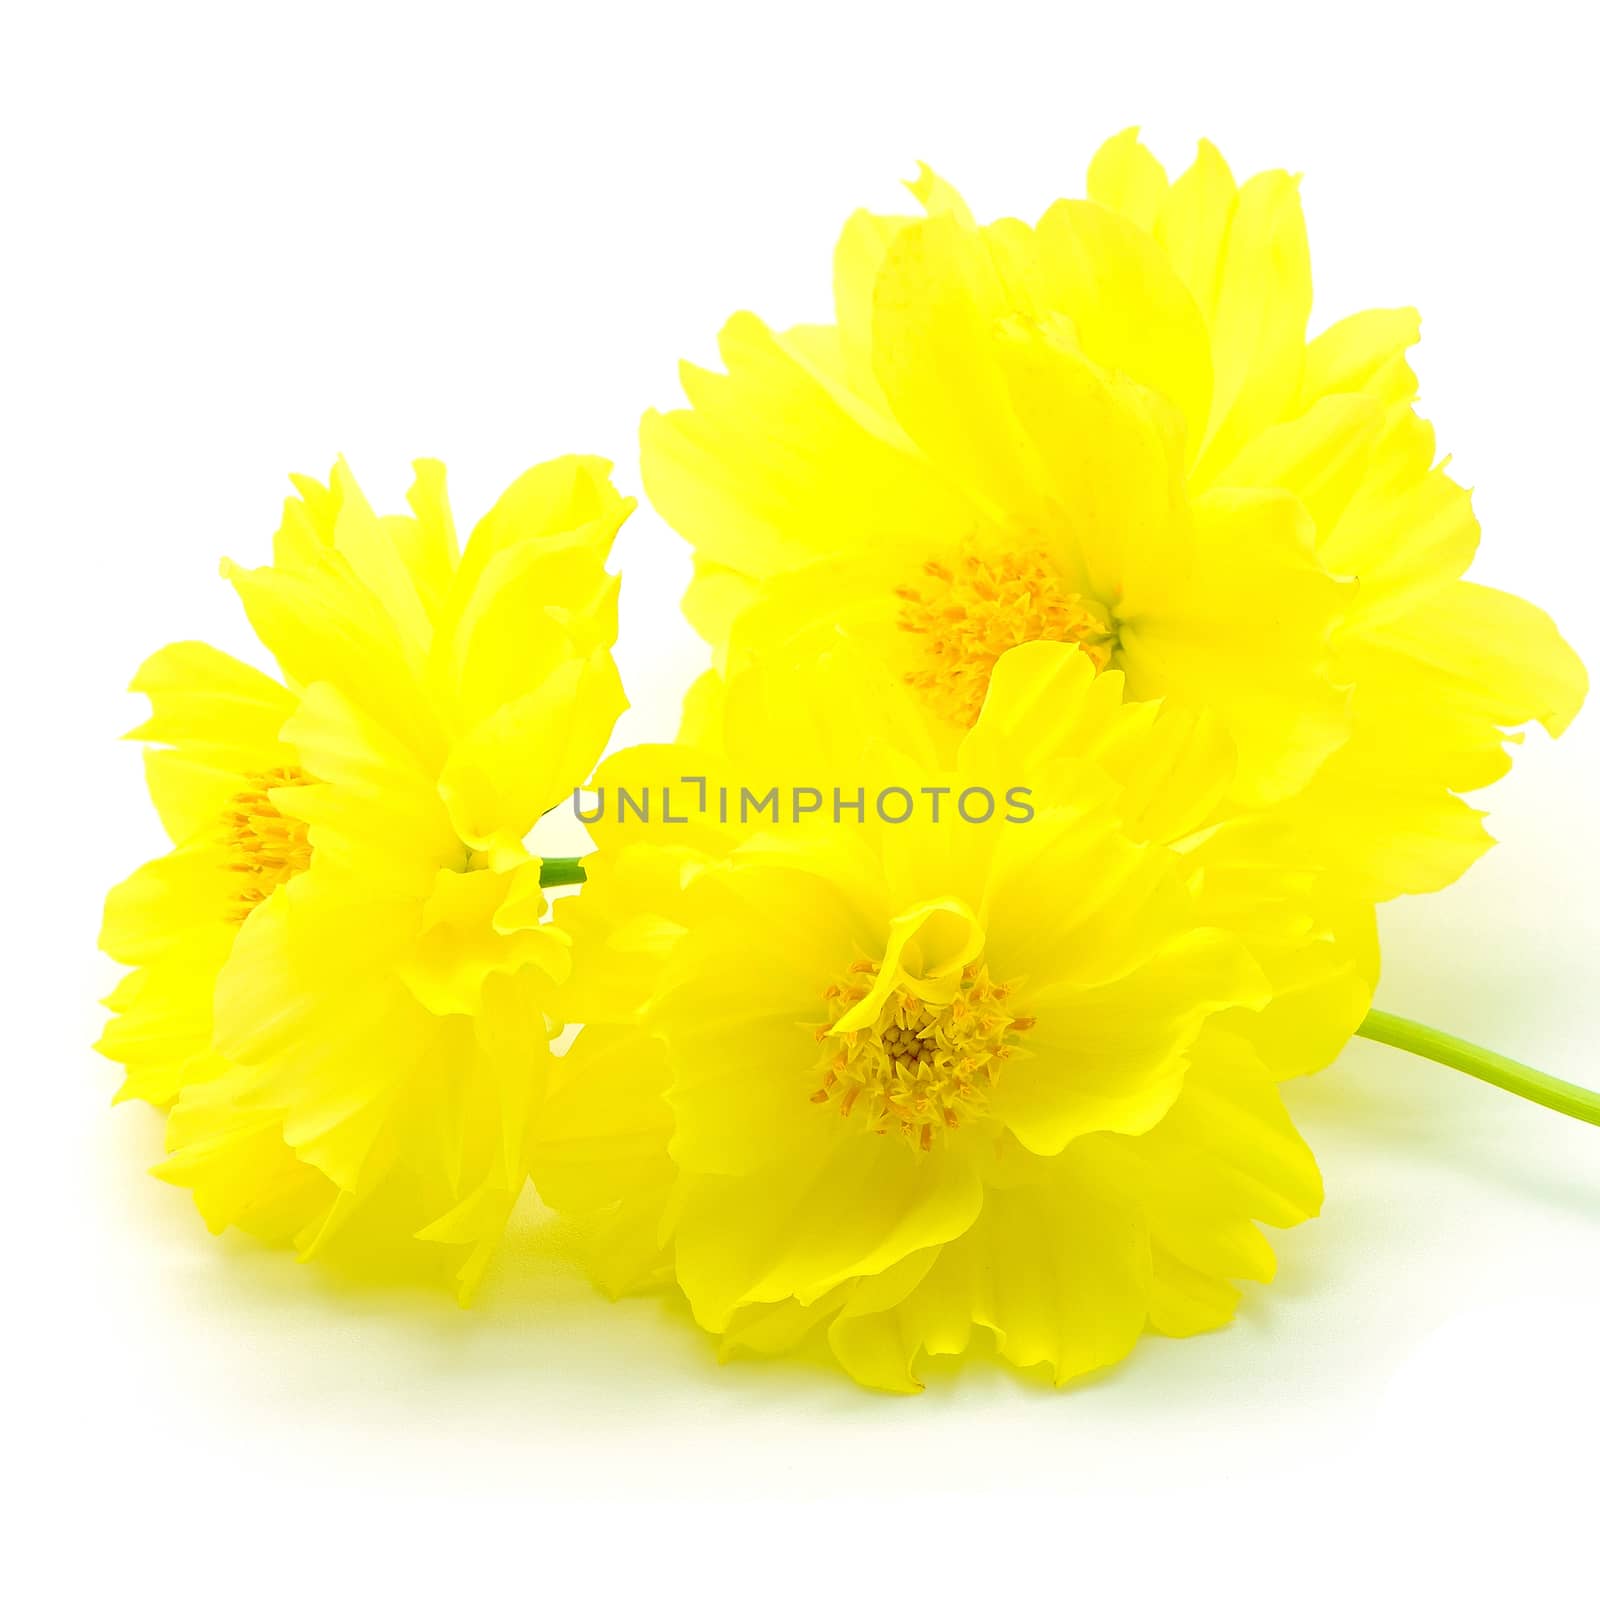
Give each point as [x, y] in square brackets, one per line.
[340, 964]
[899, 1081]
[1109, 429]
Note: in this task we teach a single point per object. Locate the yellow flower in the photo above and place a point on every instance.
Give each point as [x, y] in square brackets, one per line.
[904, 1080]
[1109, 429]
[340, 964]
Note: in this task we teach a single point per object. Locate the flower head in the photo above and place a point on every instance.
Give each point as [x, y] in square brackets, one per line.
[1109, 429]
[905, 1080]
[340, 964]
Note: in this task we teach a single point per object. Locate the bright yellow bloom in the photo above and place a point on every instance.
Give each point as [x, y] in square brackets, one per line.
[342, 961]
[906, 1080]
[1109, 429]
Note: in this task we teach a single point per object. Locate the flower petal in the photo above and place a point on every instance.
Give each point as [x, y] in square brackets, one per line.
[1125, 177]
[1129, 307]
[1258, 326]
[1256, 578]
[528, 756]
[840, 1207]
[1224, 1154]
[1059, 1270]
[1114, 1057]
[602, 1131]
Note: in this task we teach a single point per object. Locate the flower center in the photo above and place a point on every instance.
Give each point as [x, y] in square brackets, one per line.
[967, 613]
[266, 847]
[919, 1068]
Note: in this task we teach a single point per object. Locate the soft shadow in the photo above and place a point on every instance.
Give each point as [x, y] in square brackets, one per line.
[1411, 1113]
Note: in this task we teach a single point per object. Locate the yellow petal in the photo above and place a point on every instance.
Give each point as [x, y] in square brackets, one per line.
[1125, 177]
[602, 1132]
[937, 197]
[376, 557]
[764, 946]
[1108, 455]
[322, 623]
[377, 813]
[222, 719]
[1439, 686]
[1130, 309]
[570, 495]
[1224, 1154]
[311, 997]
[183, 895]
[1248, 638]
[1407, 533]
[1321, 458]
[1113, 1057]
[857, 259]
[770, 469]
[623, 927]
[528, 756]
[1046, 704]
[1269, 878]
[1193, 226]
[927, 949]
[839, 1208]
[1379, 817]
[870, 1340]
[191, 796]
[462, 939]
[206, 702]
[240, 1171]
[935, 309]
[714, 599]
[772, 1329]
[1322, 986]
[1481, 660]
[536, 606]
[426, 540]
[1059, 1270]
[1111, 902]
[1184, 1302]
[1258, 329]
[162, 1016]
[1364, 354]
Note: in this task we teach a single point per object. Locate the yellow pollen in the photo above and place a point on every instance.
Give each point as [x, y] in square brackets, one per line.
[967, 612]
[919, 1070]
[265, 847]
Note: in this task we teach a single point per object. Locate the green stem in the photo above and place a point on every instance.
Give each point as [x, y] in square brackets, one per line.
[1570, 1099]
[561, 869]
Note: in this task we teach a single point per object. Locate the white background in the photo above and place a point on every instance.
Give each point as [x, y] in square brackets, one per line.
[238, 241]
